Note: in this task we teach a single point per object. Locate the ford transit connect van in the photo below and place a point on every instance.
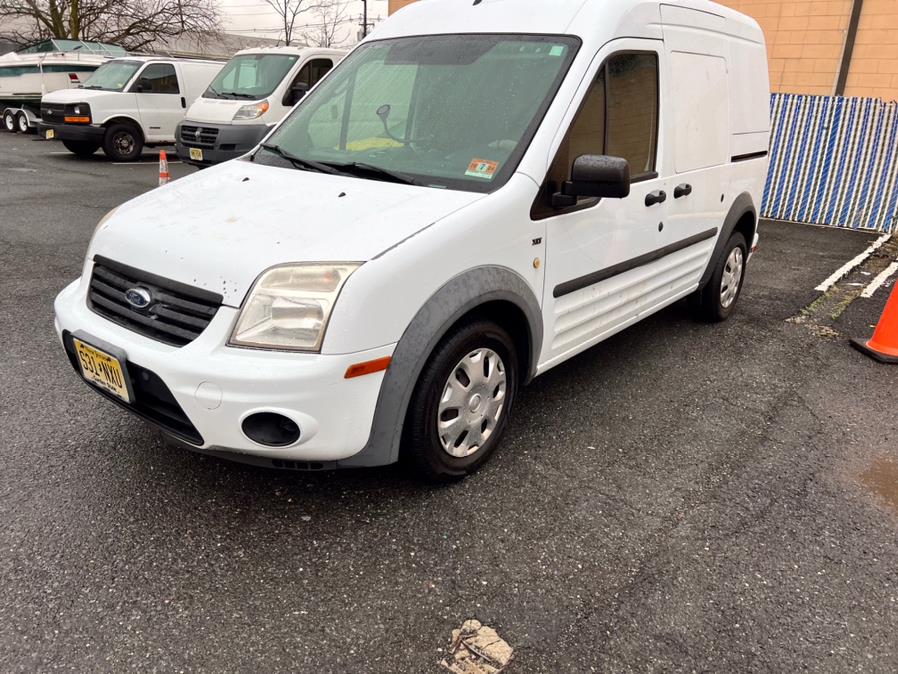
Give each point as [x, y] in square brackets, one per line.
[247, 98]
[477, 193]
[126, 104]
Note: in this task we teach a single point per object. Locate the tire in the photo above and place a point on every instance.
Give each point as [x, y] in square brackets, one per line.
[22, 123]
[482, 354]
[82, 148]
[9, 121]
[716, 301]
[123, 142]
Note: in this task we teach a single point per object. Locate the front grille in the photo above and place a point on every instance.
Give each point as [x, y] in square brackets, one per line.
[52, 112]
[198, 135]
[176, 313]
[153, 400]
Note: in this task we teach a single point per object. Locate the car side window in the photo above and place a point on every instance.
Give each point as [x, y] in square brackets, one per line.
[313, 71]
[157, 78]
[618, 117]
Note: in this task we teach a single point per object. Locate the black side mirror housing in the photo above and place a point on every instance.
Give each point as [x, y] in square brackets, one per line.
[143, 84]
[296, 93]
[594, 175]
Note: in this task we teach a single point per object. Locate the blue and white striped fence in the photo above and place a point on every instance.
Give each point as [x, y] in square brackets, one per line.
[833, 161]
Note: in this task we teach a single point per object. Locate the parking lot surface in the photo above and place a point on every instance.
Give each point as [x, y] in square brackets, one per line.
[682, 497]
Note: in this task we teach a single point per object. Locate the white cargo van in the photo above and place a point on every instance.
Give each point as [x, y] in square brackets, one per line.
[247, 98]
[477, 193]
[126, 104]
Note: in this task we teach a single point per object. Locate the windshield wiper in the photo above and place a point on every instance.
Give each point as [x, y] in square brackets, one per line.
[299, 162]
[358, 168]
[237, 94]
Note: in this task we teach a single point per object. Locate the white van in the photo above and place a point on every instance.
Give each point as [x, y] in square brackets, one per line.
[126, 104]
[247, 98]
[477, 193]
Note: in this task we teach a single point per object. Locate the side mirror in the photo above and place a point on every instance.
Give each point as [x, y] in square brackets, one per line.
[143, 84]
[296, 93]
[595, 175]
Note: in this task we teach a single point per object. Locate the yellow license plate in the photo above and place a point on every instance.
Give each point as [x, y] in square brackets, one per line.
[196, 154]
[50, 135]
[102, 370]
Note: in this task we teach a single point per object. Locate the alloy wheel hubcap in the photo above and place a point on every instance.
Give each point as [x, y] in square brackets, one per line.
[472, 403]
[732, 277]
[124, 143]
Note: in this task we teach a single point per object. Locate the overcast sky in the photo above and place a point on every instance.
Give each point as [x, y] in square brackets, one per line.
[256, 17]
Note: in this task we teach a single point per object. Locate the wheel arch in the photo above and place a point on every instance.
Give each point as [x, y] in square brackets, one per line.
[124, 119]
[742, 217]
[496, 293]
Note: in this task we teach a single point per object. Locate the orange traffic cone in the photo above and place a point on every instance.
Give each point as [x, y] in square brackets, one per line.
[884, 345]
[164, 175]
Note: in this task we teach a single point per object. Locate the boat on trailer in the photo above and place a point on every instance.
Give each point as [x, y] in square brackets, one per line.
[29, 74]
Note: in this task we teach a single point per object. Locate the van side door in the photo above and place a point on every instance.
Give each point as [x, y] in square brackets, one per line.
[602, 271]
[159, 100]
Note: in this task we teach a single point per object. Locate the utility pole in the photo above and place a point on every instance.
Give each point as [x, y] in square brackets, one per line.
[365, 19]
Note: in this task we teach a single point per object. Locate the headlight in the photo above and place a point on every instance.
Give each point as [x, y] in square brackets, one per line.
[289, 307]
[252, 111]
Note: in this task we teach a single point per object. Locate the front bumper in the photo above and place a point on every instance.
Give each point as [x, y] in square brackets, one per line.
[218, 142]
[217, 387]
[76, 132]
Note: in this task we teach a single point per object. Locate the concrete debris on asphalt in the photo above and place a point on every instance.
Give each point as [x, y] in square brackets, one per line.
[477, 649]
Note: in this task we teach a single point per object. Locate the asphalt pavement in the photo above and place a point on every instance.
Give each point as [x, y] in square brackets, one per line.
[684, 497]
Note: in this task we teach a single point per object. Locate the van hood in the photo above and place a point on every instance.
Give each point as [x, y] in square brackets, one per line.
[218, 229]
[216, 110]
[78, 95]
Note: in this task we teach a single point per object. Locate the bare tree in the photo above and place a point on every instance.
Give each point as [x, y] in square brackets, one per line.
[133, 24]
[289, 11]
[329, 28]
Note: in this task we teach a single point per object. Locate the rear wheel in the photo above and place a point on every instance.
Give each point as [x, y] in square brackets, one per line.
[717, 300]
[82, 148]
[123, 142]
[462, 402]
[9, 121]
[22, 122]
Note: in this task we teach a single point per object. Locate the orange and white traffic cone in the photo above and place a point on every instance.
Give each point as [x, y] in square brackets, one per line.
[884, 345]
[164, 175]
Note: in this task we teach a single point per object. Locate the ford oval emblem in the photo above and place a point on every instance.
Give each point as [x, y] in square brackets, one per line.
[139, 298]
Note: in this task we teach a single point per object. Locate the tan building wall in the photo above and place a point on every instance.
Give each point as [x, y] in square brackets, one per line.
[806, 39]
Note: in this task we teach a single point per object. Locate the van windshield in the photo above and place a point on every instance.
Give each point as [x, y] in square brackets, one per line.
[442, 111]
[112, 76]
[250, 76]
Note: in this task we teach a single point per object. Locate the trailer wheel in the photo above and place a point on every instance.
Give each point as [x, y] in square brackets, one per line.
[82, 148]
[22, 122]
[9, 121]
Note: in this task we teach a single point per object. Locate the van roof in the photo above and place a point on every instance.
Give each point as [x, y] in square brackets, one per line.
[166, 59]
[295, 51]
[587, 19]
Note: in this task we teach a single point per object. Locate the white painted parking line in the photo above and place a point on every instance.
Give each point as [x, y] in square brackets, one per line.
[880, 280]
[847, 268]
[143, 163]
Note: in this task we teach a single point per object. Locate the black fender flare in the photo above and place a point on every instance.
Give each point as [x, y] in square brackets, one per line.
[446, 306]
[741, 205]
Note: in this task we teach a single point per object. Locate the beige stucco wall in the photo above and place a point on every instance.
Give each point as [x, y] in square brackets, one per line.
[806, 38]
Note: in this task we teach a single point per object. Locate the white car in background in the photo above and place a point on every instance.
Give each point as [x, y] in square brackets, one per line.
[126, 104]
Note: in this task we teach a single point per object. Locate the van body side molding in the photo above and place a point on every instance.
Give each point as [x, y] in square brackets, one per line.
[576, 284]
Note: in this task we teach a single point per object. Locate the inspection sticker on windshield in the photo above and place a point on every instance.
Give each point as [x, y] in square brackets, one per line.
[481, 168]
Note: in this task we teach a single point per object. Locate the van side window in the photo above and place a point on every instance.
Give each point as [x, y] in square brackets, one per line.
[632, 113]
[618, 117]
[313, 71]
[158, 78]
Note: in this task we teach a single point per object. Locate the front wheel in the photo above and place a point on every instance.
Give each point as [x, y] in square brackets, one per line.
[717, 300]
[123, 142]
[82, 148]
[462, 402]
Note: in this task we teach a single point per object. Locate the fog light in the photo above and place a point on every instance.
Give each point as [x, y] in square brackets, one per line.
[271, 429]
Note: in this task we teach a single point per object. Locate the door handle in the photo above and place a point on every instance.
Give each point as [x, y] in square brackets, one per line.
[183, 102]
[653, 198]
[682, 191]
